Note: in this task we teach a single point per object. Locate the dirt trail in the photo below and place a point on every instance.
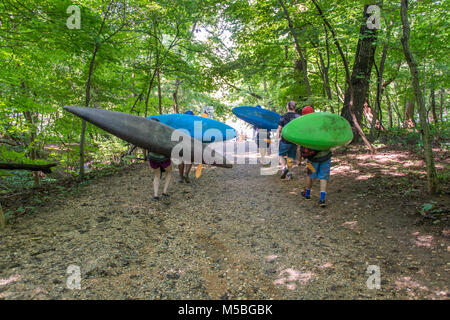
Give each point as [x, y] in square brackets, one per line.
[232, 234]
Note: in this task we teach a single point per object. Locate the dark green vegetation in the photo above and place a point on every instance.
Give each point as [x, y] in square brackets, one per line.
[149, 57]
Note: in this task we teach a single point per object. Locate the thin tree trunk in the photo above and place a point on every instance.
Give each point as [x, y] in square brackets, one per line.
[424, 129]
[88, 83]
[380, 73]
[29, 117]
[88, 100]
[298, 48]
[389, 107]
[159, 93]
[441, 107]
[175, 96]
[2, 218]
[433, 105]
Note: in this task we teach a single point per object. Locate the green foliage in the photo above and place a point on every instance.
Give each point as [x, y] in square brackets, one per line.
[108, 149]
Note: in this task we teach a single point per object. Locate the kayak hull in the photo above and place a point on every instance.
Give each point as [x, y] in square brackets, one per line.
[318, 131]
[258, 117]
[144, 133]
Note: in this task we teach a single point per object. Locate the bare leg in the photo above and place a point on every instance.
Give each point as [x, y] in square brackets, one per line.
[323, 185]
[188, 168]
[262, 152]
[282, 161]
[181, 170]
[168, 178]
[156, 178]
[186, 175]
[309, 183]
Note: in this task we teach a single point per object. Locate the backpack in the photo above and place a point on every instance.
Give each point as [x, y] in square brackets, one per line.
[307, 153]
[311, 154]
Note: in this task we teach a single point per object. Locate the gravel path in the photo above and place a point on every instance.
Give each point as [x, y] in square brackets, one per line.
[232, 234]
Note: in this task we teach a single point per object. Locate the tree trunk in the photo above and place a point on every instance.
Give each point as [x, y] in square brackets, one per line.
[299, 76]
[159, 93]
[409, 114]
[298, 48]
[362, 67]
[441, 107]
[175, 96]
[2, 218]
[326, 68]
[380, 73]
[30, 118]
[354, 119]
[31, 167]
[424, 129]
[389, 108]
[433, 106]
[88, 100]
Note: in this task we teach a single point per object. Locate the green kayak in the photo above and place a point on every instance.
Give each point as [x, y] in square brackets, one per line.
[318, 131]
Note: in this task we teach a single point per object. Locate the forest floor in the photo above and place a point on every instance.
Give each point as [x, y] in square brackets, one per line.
[235, 234]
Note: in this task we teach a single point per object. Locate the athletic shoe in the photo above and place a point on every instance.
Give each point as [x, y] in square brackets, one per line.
[155, 198]
[186, 178]
[306, 197]
[284, 173]
[322, 203]
[289, 176]
[165, 195]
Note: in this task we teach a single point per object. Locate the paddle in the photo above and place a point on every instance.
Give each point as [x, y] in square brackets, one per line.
[310, 167]
[198, 171]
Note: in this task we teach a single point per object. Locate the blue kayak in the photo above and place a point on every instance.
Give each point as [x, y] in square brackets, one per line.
[220, 131]
[260, 118]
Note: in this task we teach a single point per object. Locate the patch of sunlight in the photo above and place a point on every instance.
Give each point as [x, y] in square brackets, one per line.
[12, 279]
[289, 277]
[423, 240]
[408, 284]
[326, 265]
[391, 172]
[350, 224]
[344, 169]
[270, 258]
[365, 177]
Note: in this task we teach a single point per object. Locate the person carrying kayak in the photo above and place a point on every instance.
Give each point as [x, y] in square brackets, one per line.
[160, 163]
[287, 150]
[318, 164]
[185, 168]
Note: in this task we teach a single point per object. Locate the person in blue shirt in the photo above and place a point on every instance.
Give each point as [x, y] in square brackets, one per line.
[287, 149]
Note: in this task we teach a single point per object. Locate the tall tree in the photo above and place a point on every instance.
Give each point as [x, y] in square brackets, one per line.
[362, 68]
[418, 93]
[351, 94]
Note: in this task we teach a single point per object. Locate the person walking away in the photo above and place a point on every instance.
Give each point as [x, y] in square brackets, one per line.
[185, 168]
[263, 143]
[318, 167]
[160, 163]
[287, 150]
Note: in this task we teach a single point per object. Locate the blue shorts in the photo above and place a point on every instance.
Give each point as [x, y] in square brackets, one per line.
[322, 170]
[287, 149]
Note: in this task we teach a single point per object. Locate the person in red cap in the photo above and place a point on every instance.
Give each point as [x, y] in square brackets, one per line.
[318, 165]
